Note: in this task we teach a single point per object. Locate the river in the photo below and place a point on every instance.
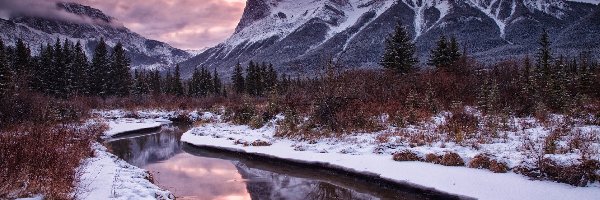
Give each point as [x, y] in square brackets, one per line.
[193, 173]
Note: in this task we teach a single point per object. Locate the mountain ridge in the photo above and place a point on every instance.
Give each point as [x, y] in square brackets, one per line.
[87, 25]
[298, 35]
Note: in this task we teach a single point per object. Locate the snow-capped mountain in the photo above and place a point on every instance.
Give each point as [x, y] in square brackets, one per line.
[88, 25]
[298, 35]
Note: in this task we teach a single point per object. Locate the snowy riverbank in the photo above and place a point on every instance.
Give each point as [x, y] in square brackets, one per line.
[362, 153]
[105, 176]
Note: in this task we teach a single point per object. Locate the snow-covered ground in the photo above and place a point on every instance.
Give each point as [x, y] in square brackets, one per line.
[105, 176]
[367, 153]
[121, 126]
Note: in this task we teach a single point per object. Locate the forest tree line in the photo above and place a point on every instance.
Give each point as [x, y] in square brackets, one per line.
[63, 70]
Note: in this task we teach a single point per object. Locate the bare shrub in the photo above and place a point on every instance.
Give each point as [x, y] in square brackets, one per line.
[432, 158]
[452, 159]
[261, 143]
[406, 155]
[577, 175]
[460, 126]
[483, 161]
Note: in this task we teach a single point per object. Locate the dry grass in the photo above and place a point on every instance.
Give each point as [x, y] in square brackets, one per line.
[42, 158]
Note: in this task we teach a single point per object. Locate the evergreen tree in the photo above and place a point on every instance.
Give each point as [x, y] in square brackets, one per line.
[168, 83]
[194, 84]
[252, 78]
[271, 78]
[22, 59]
[81, 70]
[544, 55]
[527, 90]
[487, 99]
[99, 71]
[156, 83]
[4, 71]
[217, 84]
[454, 50]
[177, 84]
[445, 54]
[438, 56]
[68, 73]
[399, 54]
[120, 76]
[238, 79]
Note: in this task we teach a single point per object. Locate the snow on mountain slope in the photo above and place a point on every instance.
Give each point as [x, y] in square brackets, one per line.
[298, 35]
[284, 17]
[37, 31]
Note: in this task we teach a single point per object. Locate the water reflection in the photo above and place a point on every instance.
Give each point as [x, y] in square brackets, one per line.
[192, 173]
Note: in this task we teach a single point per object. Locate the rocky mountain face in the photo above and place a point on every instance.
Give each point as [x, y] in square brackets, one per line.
[87, 27]
[298, 35]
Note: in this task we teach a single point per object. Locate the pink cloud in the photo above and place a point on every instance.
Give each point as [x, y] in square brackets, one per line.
[186, 24]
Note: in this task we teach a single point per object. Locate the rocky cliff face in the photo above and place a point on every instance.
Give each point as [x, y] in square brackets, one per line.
[298, 35]
[88, 26]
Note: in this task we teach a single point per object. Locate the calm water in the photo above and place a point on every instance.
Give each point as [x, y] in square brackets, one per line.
[193, 173]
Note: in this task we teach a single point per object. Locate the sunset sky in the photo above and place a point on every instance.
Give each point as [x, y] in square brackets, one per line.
[185, 24]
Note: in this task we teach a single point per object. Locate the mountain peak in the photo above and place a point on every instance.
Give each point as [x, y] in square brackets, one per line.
[85, 11]
[254, 11]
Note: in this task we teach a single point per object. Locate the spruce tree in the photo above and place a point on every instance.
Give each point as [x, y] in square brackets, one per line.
[194, 84]
[527, 90]
[454, 50]
[121, 78]
[217, 84]
[252, 78]
[99, 71]
[271, 78]
[445, 54]
[168, 83]
[399, 53]
[21, 64]
[177, 84]
[81, 70]
[4, 71]
[438, 56]
[238, 79]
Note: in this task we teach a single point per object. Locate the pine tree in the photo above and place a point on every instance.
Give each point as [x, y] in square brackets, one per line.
[156, 83]
[252, 78]
[193, 88]
[238, 79]
[399, 53]
[544, 55]
[454, 50]
[168, 83]
[121, 78]
[68, 73]
[217, 84]
[99, 71]
[438, 56]
[527, 90]
[4, 71]
[21, 64]
[271, 78]
[177, 84]
[81, 71]
[446, 54]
